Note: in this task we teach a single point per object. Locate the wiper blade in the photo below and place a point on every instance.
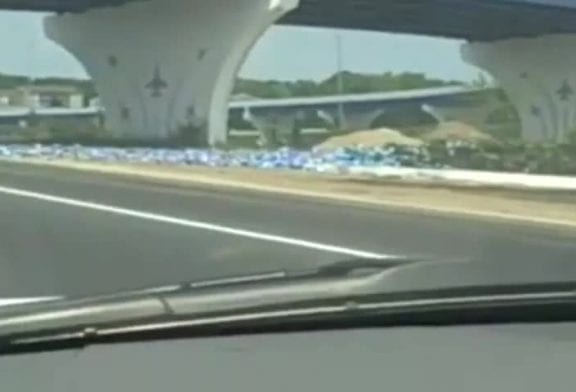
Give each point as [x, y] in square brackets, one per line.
[337, 269]
[536, 303]
[340, 287]
[200, 297]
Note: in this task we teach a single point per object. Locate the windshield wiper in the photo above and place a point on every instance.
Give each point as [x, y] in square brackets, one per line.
[537, 304]
[198, 297]
[354, 291]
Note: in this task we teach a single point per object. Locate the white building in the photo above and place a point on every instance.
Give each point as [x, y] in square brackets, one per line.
[44, 96]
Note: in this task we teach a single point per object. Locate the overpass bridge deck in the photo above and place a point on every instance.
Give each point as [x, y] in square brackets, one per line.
[465, 19]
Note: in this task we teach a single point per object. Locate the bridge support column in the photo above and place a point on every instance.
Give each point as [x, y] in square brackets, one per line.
[275, 128]
[539, 77]
[361, 120]
[475, 114]
[354, 120]
[167, 67]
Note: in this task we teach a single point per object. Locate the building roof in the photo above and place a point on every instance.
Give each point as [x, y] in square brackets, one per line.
[50, 89]
[242, 97]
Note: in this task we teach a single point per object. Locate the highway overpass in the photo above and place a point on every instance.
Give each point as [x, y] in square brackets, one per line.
[359, 111]
[467, 19]
[279, 117]
[160, 65]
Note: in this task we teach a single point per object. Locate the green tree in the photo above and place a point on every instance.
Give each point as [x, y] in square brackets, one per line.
[353, 83]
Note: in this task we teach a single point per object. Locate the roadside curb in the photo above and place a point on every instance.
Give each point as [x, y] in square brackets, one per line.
[199, 179]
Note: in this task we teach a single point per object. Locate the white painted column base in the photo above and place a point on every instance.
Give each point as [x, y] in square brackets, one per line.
[539, 77]
[361, 121]
[163, 67]
[274, 128]
[475, 115]
[353, 120]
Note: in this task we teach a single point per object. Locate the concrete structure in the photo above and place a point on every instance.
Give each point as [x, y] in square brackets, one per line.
[49, 96]
[281, 120]
[274, 127]
[7, 97]
[474, 20]
[169, 66]
[15, 118]
[539, 77]
[163, 66]
[473, 109]
[271, 111]
[42, 96]
[278, 118]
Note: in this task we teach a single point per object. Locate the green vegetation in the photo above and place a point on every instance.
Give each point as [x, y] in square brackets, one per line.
[353, 83]
[85, 87]
[11, 81]
[557, 159]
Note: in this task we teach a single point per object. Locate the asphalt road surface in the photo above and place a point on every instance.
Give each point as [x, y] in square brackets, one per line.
[71, 233]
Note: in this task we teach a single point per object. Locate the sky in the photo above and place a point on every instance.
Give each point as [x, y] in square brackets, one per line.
[284, 53]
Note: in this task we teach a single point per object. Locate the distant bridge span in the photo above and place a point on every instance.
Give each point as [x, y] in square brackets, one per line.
[359, 111]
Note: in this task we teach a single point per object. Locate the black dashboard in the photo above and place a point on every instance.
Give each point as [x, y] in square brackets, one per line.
[529, 357]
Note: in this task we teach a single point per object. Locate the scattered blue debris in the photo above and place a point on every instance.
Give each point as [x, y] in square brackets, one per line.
[284, 158]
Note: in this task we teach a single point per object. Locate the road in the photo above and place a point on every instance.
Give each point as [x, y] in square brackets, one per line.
[74, 234]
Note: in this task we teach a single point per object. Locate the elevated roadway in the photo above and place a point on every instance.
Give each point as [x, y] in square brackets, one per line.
[466, 19]
[467, 104]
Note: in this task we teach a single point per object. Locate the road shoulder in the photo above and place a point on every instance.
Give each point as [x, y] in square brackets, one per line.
[550, 208]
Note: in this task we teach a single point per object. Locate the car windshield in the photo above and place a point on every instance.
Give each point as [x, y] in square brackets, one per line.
[161, 144]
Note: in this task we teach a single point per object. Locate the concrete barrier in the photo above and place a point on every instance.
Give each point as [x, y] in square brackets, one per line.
[470, 177]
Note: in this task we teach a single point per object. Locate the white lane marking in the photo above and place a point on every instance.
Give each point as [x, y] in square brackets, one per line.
[338, 197]
[194, 224]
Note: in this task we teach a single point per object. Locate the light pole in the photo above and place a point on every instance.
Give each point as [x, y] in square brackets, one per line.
[31, 80]
[339, 79]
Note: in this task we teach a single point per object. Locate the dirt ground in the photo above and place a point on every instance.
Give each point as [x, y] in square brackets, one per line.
[373, 137]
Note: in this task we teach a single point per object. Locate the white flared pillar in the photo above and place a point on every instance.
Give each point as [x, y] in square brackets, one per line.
[166, 66]
[475, 114]
[360, 120]
[274, 127]
[539, 77]
[354, 120]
